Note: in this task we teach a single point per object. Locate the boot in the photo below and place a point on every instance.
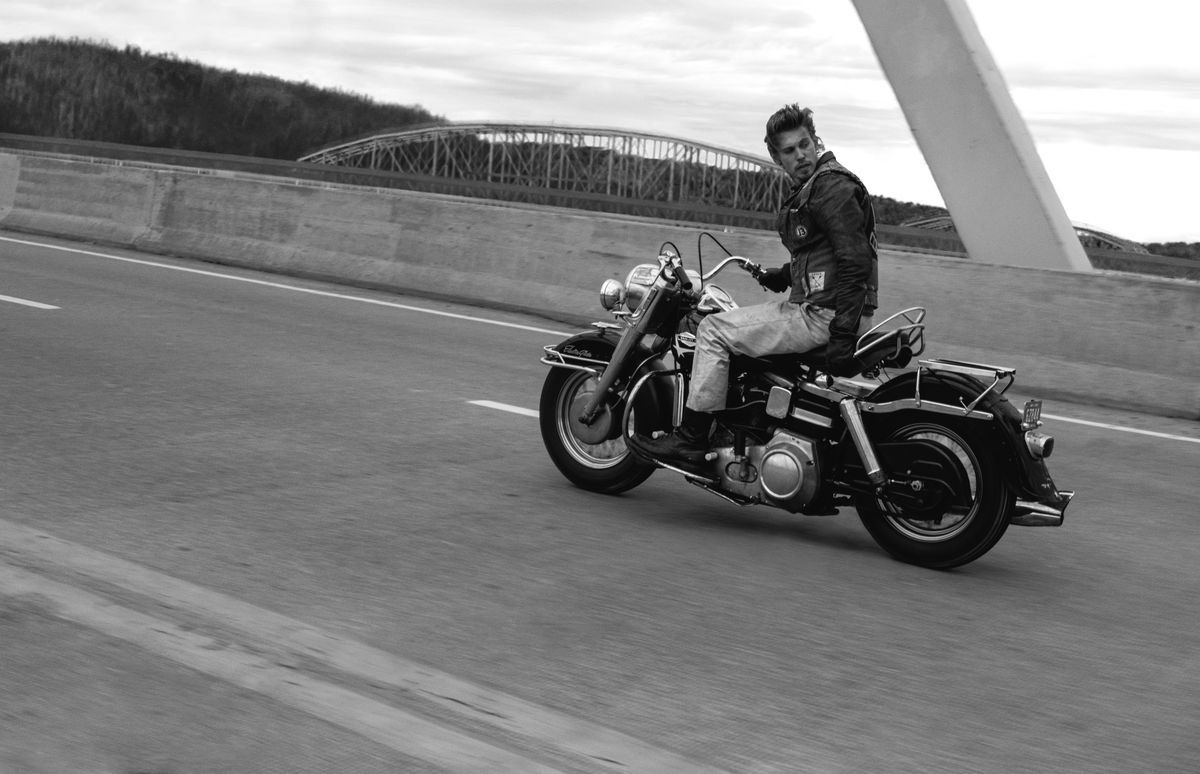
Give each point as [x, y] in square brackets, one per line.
[689, 442]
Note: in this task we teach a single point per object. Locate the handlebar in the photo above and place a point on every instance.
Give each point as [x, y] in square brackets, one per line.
[745, 264]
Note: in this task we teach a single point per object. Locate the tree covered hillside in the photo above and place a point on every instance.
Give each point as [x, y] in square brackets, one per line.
[84, 90]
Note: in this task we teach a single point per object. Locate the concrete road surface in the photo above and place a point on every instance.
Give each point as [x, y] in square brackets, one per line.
[254, 524]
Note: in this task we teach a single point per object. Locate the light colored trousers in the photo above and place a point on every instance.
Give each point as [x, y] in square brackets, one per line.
[773, 328]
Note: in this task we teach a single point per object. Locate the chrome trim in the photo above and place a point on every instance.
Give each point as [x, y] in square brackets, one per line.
[830, 395]
[556, 359]
[714, 298]
[811, 417]
[677, 398]
[1027, 513]
[778, 400]
[710, 484]
[925, 405]
[1040, 445]
[612, 294]
[982, 370]
[914, 316]
[745, 263]
[858, 433]
[695, 478]
[979, 370]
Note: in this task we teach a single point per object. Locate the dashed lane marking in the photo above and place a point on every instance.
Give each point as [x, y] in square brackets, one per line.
[26, 302]
[1118, 428]
[424, 310]
[505, 407]
[284, 286]
[1121, 429]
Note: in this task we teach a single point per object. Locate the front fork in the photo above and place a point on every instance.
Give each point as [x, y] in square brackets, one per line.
[629, 339]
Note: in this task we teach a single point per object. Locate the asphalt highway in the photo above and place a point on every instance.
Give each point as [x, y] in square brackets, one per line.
[255, 523]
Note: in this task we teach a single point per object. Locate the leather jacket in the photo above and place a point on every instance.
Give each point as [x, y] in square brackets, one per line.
[827, 225]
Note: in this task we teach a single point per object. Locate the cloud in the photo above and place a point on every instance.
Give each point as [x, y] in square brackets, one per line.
[1086, 79]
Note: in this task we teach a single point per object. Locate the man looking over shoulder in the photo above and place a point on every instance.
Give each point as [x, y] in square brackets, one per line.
[827, 224]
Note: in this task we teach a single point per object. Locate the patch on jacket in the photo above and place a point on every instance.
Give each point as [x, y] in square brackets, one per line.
[816, 280]
[801, 231]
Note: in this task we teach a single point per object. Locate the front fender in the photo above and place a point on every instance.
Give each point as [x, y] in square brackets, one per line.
[591, 351]
[585, 350]
[1025, 474]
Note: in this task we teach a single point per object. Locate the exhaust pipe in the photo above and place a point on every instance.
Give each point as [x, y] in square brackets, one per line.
[1034, 514]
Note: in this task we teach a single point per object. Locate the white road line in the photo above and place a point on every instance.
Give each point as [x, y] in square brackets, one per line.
[26, 302]
[285, 286]
[533, 413]
[469, 318]
[505, 407]
[1119, 428]
[276, 639]
[401, 731]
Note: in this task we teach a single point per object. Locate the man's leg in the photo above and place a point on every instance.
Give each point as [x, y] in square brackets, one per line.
[756, 331]
[763, 329]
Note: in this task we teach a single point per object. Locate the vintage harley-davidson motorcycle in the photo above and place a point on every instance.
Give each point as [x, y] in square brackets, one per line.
[937, 462]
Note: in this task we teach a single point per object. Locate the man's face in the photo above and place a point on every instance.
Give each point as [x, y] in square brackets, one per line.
[796, 151]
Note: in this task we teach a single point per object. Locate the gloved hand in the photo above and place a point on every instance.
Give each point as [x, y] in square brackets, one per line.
[840, 359]
[776, 280]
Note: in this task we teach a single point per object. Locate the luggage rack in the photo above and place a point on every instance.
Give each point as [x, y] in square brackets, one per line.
[979, 370]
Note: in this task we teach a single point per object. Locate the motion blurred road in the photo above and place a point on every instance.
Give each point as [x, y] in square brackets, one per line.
[253, 523]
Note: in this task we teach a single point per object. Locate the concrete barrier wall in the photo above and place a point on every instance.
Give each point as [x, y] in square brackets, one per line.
[1116, 340]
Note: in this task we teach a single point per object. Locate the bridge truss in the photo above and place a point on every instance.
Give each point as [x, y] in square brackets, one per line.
[591, 168]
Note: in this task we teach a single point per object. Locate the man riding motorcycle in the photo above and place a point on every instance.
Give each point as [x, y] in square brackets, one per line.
[827, 224]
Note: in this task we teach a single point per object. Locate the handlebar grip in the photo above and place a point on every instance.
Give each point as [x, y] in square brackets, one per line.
[682, 278]
[755, 270]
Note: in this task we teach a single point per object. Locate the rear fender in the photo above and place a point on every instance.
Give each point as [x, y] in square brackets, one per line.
[1025, 475]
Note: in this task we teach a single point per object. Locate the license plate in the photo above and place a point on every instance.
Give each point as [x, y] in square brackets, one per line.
[1033, 414]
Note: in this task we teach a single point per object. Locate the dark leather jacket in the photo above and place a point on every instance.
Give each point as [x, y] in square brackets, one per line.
[827, 225]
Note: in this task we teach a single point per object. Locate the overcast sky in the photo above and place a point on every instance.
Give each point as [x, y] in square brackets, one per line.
[1110, 91]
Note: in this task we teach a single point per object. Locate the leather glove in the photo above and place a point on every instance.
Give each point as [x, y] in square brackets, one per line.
[840, 359]
[776, 280]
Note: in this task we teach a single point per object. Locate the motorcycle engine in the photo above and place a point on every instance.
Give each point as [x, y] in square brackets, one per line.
[785, 472]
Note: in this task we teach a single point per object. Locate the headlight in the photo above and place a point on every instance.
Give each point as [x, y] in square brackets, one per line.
[638, 284]
[612, 294]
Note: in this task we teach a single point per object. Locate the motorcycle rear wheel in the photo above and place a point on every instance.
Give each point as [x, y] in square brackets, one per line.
[607, 466]
[958, 533]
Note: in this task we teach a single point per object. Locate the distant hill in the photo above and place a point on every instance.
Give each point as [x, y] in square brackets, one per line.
[83, 90]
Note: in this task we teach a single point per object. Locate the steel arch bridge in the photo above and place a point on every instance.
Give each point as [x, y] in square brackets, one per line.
[593, 168]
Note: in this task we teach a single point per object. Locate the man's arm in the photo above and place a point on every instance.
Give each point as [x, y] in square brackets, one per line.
[839, 208]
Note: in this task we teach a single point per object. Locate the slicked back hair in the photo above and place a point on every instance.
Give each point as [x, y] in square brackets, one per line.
[787, 118]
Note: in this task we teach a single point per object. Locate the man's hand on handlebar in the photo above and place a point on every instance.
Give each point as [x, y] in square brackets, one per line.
[775, 280]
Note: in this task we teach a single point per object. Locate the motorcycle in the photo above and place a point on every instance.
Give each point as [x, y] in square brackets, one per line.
[935, 460]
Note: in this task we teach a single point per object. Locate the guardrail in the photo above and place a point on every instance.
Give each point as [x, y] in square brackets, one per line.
[1081, 335]
[900, 237]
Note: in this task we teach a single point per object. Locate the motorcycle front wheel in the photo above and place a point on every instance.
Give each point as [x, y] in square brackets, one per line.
[594, 457]
[959, 530]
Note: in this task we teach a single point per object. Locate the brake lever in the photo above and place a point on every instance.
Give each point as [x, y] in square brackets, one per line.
[754, 269]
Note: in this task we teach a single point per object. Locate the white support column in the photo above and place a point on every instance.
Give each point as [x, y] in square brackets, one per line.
[976, 144]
